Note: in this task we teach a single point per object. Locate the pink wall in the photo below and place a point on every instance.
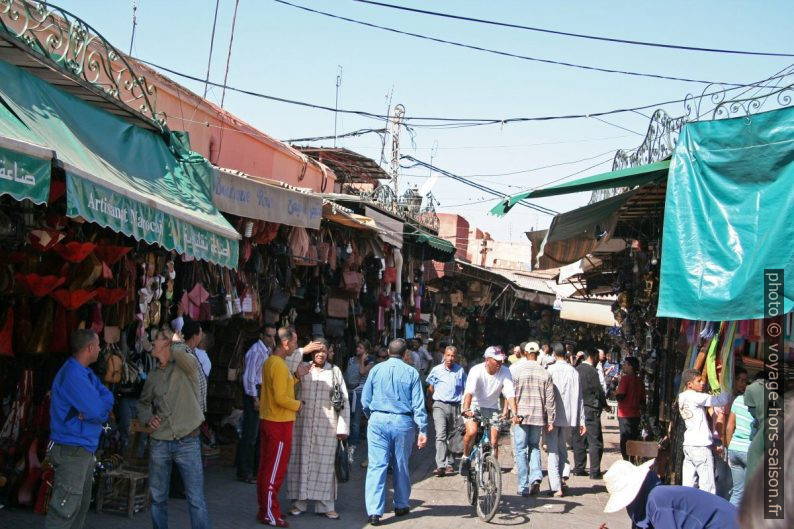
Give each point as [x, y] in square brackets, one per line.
[227, 141]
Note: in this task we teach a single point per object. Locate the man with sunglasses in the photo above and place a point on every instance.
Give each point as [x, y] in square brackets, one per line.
[485, 383]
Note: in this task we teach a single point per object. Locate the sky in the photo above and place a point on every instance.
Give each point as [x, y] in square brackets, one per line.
[282, 51]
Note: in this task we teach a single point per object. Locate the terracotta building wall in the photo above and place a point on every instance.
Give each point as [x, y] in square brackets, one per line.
[227, 141]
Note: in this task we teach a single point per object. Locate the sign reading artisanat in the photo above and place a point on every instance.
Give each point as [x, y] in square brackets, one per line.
[146, 222]
[244, 197]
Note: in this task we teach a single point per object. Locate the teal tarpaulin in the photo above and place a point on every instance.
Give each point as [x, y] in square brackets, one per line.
[729, 215]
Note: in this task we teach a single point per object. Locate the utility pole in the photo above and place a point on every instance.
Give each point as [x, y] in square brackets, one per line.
[336, 105]
[134, 23]
[394, 166]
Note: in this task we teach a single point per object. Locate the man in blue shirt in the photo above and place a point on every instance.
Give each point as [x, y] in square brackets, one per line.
[80, 405]
[651, 505]
[445, 383]
[392, 399]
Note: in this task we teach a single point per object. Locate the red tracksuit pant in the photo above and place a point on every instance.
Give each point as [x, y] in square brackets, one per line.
[275, 443]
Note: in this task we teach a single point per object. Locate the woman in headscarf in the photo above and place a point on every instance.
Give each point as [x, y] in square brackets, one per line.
[321, 423]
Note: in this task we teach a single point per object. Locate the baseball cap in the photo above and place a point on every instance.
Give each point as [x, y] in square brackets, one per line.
[532, 347]
[494, 352]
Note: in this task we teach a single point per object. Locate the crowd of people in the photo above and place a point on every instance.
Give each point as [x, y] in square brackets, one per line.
[298, 413]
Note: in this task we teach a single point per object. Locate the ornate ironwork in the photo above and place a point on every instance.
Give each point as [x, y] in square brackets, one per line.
[384, 197]
[427, 215]
[658, 144]
[752, 105]
[712, 103]
[75, 47]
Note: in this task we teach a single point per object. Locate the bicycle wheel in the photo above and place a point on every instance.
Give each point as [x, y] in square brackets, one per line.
[471, 488]
[490, 490]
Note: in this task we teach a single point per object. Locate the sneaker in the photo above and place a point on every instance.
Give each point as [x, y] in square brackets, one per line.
[351, 452]
[534, 489]
[465, 466]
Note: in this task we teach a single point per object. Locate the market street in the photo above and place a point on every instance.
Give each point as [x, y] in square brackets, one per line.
[434, 501]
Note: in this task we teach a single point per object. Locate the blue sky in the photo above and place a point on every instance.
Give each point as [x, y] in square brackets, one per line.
[286, 52]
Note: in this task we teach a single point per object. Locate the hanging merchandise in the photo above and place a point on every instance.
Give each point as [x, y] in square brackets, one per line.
[7, 333]
[74, 252]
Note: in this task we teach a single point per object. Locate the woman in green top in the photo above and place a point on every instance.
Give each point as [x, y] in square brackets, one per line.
[740, 424]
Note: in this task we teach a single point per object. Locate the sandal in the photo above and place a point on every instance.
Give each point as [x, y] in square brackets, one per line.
[295, 511]
[331, 515]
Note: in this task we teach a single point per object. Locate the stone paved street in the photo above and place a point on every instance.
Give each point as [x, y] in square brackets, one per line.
[435, 502]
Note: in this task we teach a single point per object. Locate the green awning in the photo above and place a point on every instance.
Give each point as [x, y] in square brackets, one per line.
[124, 177]
[432, 247]
[25, 166]
[630, 177]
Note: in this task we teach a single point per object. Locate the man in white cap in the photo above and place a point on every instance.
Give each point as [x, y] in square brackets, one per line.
[485, 383]
[651, 505]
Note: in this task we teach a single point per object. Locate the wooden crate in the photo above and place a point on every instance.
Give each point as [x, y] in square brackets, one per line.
[123, 491]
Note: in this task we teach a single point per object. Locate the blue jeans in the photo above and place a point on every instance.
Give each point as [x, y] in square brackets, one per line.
[738, 462]
[527, 439]
[388, 436]
[355, 416]
[186, 453]
[557, 441]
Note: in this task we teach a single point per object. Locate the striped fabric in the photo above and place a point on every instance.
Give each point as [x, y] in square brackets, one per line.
[740, 441]
[534, 394]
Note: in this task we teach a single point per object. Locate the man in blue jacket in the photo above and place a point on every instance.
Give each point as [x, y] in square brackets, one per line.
[394, 401]
[80, 405]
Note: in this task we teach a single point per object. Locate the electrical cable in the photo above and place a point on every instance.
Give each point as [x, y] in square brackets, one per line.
[469, 122]
[212, 45]
[503, 53]
[352, 134]
[478, 186]
[578, 35]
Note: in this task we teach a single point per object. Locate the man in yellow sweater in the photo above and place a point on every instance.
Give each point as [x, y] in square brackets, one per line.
[277, 410]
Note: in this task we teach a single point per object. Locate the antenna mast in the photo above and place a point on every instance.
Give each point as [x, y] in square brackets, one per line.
[394, 166]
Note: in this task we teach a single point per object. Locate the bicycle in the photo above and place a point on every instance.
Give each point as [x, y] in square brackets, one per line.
[484, 482]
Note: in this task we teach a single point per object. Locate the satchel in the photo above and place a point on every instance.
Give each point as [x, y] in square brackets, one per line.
[352, 282]
[341, 462]
[455, 440]
[279, 299]
[338, 307]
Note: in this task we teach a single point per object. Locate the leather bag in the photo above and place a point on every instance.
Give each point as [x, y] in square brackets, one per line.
[338, 307]
[341, 462]
[335, 327]
[352, 282]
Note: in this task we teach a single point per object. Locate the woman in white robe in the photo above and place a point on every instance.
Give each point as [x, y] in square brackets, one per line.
[318, 428]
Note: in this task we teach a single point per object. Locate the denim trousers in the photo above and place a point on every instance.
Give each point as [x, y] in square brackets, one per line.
[185, 453]
[247, 457]
[698, 468]
[557, 441]
[390, 439]
[738, 462]
[527, 440]
[355, 416]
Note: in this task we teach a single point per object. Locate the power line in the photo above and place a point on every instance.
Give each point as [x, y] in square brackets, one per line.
[533, 169]
[502, 53]
[478, 186]
[469, 122]
[577, 35]
[352, 134]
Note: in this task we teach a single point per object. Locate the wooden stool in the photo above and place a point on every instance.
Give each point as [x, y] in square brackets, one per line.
[638, 451]
[129, 492]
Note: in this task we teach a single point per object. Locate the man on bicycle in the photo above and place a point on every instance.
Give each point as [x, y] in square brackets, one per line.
[484, 384]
